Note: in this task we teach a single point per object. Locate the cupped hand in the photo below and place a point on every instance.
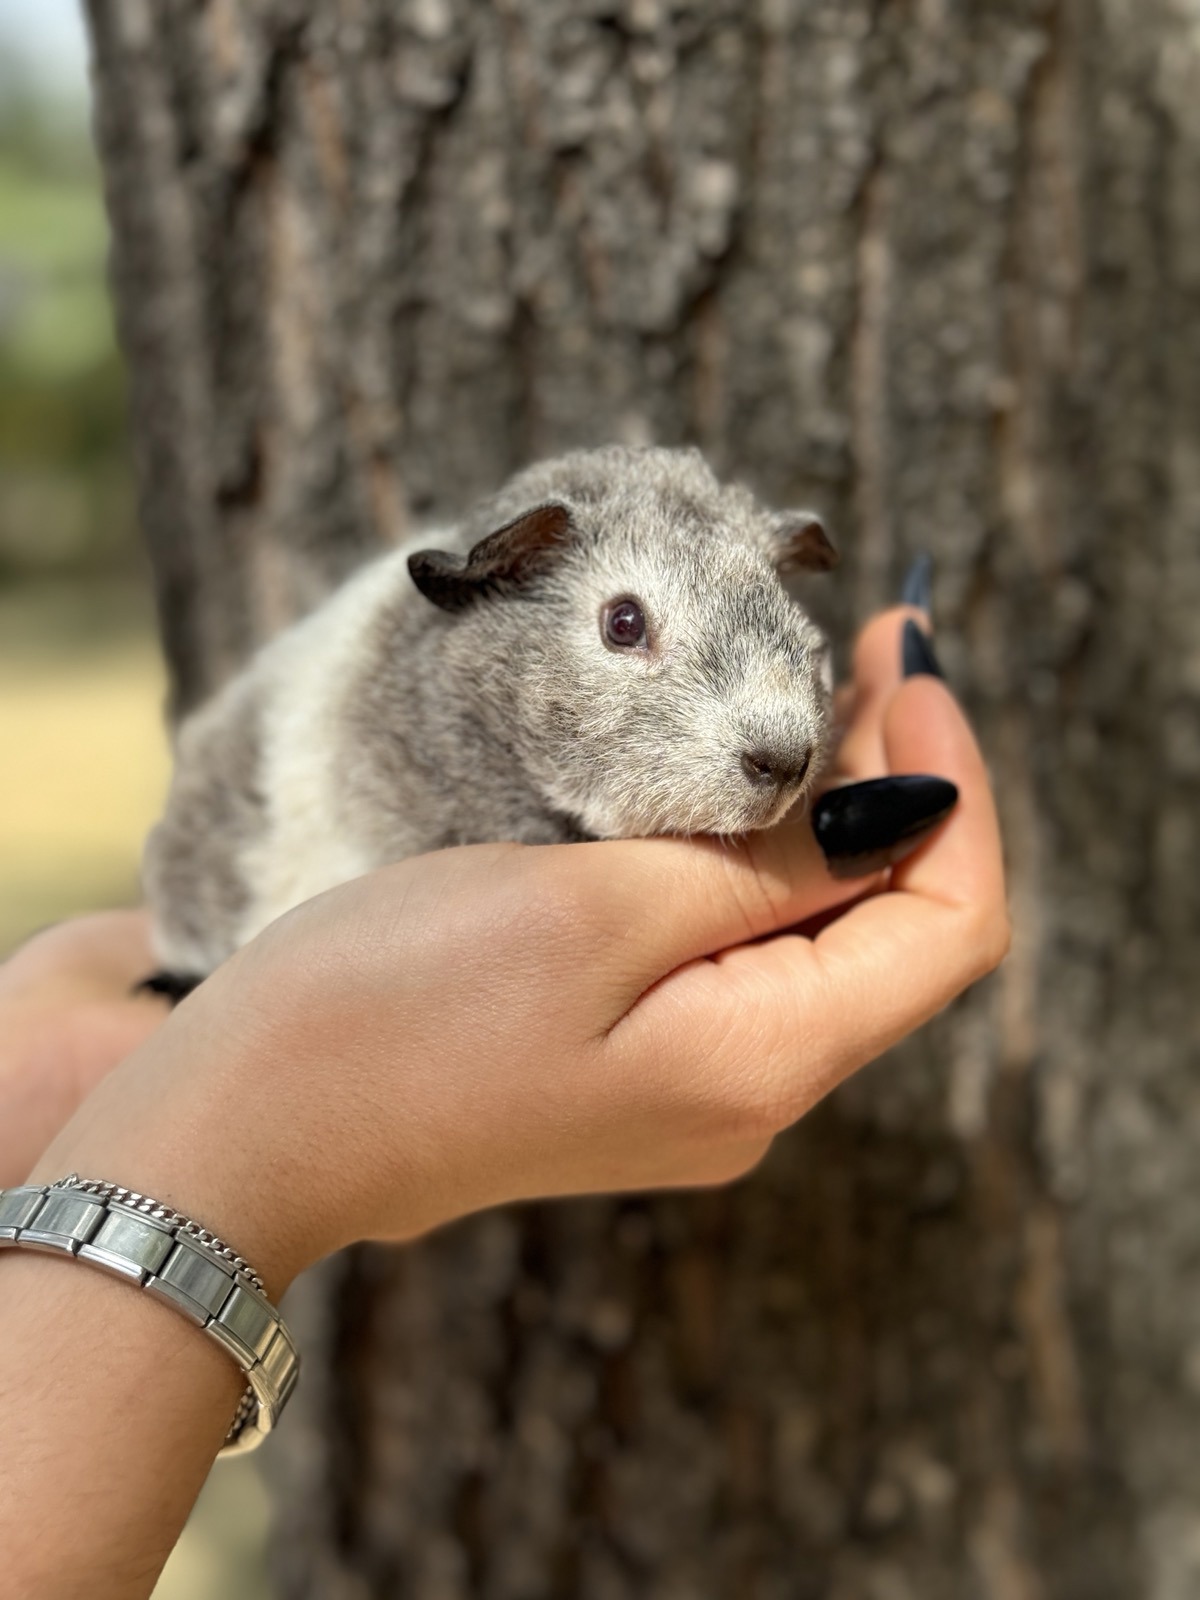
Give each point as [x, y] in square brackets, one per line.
[68, 1015]
[499, 1022]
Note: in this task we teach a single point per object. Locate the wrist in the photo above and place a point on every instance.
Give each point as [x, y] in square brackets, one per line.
[96, 1373]
[180, 1120]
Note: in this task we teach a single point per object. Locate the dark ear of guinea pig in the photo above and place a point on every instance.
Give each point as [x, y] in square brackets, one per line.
[503, 560]
[801, 543]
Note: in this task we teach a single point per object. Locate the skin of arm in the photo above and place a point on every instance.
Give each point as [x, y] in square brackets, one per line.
[68, 1017]
[457, 1031]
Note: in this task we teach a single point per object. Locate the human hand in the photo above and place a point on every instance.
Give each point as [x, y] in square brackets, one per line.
[69, 1015]
[501, 1022]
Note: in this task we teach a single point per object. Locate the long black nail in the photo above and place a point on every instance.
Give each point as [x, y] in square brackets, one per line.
[864, 827]
[918, 584]
[916, 655]
[172, 986]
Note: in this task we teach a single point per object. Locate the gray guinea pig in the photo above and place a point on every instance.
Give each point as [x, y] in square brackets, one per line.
[601, 650]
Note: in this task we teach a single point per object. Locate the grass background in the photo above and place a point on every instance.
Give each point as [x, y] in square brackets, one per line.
[80, 688]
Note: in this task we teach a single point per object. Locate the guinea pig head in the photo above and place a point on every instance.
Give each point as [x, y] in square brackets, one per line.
[632, 646]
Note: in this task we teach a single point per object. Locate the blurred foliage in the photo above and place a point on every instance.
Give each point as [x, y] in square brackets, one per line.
[66, 502]
[81, 679]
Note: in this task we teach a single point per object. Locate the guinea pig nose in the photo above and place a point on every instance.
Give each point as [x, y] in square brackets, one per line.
[766, 767]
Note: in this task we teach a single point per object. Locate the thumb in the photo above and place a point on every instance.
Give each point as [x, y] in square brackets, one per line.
[671, 901]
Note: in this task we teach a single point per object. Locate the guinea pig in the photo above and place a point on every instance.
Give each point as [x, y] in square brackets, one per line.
[603, 649]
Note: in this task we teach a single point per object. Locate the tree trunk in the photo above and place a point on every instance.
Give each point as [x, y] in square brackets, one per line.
[935, 268]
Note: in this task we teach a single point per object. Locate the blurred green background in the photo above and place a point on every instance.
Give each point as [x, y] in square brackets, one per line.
[81, 683]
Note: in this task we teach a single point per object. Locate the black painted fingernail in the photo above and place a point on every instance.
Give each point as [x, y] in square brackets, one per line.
[864, 827]
[916, 655]
[172, 986]
[918, 584]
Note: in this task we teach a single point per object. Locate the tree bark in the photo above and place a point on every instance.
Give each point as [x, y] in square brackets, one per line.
[934, 268]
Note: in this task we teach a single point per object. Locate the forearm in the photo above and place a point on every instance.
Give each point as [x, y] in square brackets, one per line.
[113, 1409]
[113, 1404]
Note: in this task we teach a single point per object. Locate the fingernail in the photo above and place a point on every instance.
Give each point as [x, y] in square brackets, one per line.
[172, 986]
[916, 655]
[864, 827]
[918, 584]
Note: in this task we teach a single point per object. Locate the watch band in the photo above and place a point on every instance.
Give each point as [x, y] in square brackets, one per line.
[182, 1263]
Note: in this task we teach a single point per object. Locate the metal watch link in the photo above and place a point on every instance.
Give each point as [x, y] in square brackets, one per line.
[174, 1258]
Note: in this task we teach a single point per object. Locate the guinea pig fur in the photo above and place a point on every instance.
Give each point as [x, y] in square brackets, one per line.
[603, 649]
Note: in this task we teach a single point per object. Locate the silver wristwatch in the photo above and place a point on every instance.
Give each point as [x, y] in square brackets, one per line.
[179, 1261]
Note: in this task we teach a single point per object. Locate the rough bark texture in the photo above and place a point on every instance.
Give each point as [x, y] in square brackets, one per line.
[934, 267]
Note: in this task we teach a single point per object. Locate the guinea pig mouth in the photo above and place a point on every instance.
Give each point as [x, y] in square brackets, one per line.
[773, 809]
[753, 812]
[726, 809]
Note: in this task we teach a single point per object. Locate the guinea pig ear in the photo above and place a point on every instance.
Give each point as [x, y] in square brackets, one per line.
[505, 559]
[799, 543]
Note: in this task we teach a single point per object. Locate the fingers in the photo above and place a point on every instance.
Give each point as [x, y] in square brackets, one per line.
[667, 901]
[964, 867]
[100, 955]
[877, 676]
[818, 1009]
[68, 1019]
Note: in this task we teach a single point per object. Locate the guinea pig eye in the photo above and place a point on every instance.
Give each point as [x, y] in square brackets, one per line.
[624, 624]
